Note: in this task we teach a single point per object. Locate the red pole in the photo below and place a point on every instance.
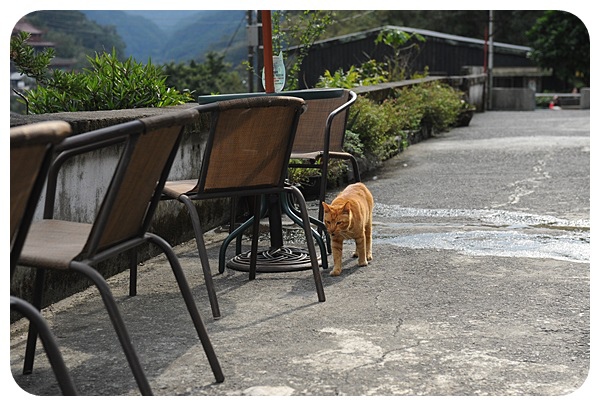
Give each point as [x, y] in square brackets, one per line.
[268, 50]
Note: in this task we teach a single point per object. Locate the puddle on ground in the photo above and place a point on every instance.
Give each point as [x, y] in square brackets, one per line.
[499, 233]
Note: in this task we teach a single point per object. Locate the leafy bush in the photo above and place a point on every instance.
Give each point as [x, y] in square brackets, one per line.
[109, 84]
[437, 103]
[369, 73]
[378, 126]
[383, 127]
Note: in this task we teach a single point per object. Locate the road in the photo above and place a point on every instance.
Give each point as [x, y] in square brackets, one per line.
[480, 285]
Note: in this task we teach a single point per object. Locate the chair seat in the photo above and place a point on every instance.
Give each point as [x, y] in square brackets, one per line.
[176, 188]
[54, 243]
[306, 155]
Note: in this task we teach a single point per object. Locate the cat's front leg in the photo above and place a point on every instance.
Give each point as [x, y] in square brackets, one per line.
[336, 250]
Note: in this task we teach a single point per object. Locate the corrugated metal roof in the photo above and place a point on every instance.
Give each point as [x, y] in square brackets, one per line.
[425, 33]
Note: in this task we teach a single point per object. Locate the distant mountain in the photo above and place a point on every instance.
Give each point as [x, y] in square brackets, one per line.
[179, 35]
[167, 21]
[142, 37]
[208, 31]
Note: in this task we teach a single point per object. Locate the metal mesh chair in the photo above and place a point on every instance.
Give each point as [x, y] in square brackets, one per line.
[247, 154]
[148, 147]
[31, 152]
[320, 137]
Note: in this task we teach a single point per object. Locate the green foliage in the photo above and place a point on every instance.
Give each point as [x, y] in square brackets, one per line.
[403, 51]
[341, 79]
[554, 38]
[369, 73]
[378, 126]
[438, 104]
[27, 61]
[353, 144]
[108, 85]
[382, 128]
[75, 36]
[214, 76]
[301, 29]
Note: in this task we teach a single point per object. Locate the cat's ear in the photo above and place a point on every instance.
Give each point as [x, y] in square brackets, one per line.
[325, 207]
[346, 208]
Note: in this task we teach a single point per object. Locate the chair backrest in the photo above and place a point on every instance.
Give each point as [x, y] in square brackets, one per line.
[31, 152]
[149, 148]
[322, 113]
[249, 144]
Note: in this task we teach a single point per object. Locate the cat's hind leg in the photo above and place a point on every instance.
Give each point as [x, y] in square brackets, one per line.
[361, 251]
[369, 241]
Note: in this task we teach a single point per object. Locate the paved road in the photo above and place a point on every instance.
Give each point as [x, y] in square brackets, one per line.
[480, 285]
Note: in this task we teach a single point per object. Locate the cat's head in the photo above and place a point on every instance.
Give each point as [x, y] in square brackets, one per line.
[336, 218]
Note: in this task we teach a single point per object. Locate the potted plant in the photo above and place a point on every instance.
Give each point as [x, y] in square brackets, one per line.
[465, 114]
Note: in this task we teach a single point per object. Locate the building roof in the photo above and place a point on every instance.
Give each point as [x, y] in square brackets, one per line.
[23, 25]
[425, 33]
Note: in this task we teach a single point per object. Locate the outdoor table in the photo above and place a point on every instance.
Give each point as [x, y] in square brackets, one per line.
[278, 258]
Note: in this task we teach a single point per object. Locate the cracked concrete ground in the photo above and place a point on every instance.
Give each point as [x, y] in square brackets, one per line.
[429, 320]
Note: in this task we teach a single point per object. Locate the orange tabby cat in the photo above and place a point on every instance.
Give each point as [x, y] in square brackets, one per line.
[350, 216]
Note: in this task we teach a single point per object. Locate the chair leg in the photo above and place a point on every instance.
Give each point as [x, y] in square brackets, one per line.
[38, 289]
[309, 242]
[52, 351]
[118, 324]
[191, 305]
[234, 234]
[355, 169]
[237, 235]
[294, 215]
[255, 232]
[321, 229]
[133, 272]
[212, 295]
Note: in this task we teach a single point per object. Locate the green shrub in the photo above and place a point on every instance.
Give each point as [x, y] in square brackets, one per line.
[378, 126]
[369, 73]
[437, 103]
[109, 84]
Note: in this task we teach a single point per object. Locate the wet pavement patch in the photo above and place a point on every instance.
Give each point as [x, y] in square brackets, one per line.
[484, 232]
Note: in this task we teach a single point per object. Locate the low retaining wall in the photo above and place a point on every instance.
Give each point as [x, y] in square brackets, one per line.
[514, 99]
[84, 178]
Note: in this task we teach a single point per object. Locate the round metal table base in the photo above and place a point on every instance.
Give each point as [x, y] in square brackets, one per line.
[284, 259]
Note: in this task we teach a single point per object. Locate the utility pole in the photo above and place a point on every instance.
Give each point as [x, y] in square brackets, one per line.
[252, 33]
[490, 65]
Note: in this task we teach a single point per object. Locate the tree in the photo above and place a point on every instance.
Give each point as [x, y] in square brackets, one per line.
[109, 84]
[561, 41]
[212, 76]
[301, 29]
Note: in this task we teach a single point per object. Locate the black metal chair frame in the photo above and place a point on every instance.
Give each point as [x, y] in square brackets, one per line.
[253, 192]
[50, 134]
[128, 134]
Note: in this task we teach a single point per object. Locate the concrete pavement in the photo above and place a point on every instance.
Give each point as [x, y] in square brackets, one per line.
[480, 285]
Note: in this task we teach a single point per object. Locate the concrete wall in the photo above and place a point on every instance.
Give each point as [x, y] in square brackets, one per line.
[514, 99]
[585, 98]
[84, 179]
